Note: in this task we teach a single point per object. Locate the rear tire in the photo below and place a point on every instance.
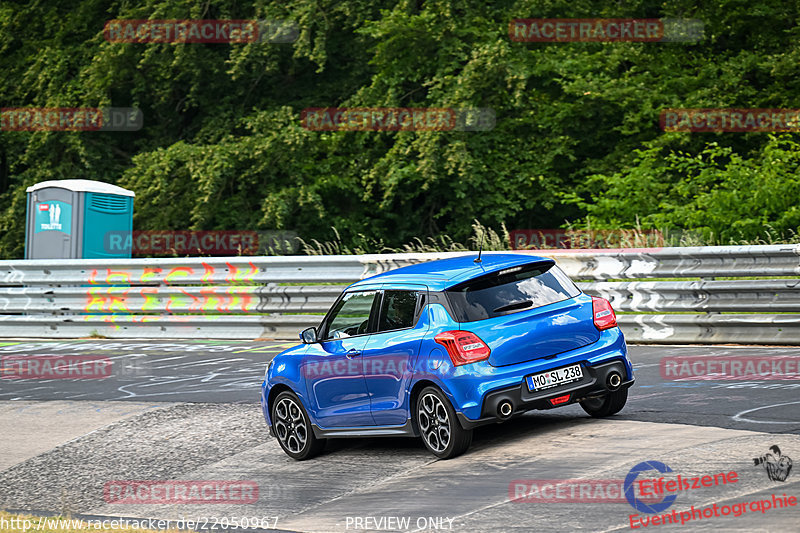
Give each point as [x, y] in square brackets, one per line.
[439, 426]
[292, 428]
[607, 405]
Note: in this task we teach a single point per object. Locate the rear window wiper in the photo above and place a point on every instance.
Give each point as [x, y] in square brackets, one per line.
[520, 304]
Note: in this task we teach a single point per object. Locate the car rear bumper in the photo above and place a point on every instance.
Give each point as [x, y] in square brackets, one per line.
[477, 393]
[594, 383]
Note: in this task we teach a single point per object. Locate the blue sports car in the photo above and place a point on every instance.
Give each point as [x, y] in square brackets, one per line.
[436, 349]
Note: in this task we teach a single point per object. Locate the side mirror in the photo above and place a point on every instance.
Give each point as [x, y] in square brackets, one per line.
[309, 335]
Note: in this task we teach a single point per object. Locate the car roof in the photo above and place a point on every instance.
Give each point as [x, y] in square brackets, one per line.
[445, 273]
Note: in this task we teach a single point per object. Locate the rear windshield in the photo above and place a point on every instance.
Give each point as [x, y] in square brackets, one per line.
[511, 290]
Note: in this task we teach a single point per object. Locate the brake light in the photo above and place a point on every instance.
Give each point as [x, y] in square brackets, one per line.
[603, 314]
[463, 347]
[558, 400]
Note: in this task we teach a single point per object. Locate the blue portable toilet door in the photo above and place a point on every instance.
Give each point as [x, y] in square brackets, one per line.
[107, 225]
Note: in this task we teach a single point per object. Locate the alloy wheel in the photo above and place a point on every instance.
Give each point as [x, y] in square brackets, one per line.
[434, 423]
[290, 426]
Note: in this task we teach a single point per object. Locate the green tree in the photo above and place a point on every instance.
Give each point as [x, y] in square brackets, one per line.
[576, 135]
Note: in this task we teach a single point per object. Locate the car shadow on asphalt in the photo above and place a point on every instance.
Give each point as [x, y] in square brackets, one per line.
[535, 423]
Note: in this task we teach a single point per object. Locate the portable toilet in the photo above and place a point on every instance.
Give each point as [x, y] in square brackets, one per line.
[72, 219]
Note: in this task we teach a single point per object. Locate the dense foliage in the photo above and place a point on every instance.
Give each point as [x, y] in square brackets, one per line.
[577, 131]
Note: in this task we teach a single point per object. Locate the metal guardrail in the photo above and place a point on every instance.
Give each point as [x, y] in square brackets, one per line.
[197, 299]
[740, 296]
[681, 262]
[275, 297]
[712, 329]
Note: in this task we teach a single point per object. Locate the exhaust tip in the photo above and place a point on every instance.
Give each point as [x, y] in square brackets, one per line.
[613, 381]
[505, 409]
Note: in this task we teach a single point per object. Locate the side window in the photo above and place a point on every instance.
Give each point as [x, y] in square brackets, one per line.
[351, 315]
[398, 310]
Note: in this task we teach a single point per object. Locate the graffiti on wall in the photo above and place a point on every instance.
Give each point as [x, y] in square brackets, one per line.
[181, 289]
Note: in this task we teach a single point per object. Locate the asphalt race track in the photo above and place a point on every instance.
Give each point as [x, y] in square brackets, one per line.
[189, 411]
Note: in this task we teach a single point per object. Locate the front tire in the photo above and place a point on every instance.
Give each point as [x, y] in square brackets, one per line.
[606, 405]
[292, 428]
[438, 425]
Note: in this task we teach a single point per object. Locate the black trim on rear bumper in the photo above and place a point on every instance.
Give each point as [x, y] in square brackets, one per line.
[593, 383]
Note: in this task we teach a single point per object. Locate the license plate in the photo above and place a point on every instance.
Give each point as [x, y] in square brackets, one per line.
[553, 378]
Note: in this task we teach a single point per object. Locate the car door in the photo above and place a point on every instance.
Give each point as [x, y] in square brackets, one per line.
[391, 351]
[332, 367]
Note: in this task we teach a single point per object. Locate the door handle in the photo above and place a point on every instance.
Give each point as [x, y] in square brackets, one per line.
[353, 353]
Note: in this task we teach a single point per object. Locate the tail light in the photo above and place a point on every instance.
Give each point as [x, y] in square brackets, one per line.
[464, 347]
[602, 314]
